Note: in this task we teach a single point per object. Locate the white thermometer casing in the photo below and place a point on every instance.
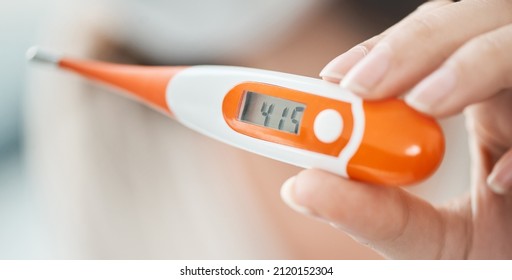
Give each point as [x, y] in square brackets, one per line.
[196, 96]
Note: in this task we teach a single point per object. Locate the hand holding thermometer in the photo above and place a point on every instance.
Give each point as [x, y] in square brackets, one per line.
[298, 120]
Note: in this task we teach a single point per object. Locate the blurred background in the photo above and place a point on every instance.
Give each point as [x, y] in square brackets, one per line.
[36, 175]
[22, 228]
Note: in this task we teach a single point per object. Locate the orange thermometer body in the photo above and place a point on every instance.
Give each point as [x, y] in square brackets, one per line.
[298, 120]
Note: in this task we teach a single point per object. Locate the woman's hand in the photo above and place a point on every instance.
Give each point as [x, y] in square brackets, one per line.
[448, 57]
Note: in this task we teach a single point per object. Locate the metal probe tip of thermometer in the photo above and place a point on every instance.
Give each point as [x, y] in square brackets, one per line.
[37, 54]
[295, 119]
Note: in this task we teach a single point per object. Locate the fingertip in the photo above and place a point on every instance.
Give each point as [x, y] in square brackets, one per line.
[417, 105]
[336, 69]
[496, 186]
[331, 77]
[288, 196]
[313, 192]
[312, 185]
[364, 77]
[332, 198]
[354, 88]
[500, 179]
[430, 96]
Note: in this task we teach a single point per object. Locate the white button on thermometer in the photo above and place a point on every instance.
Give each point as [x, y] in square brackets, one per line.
[299, 120]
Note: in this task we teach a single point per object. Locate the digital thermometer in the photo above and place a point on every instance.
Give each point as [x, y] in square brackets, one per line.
[298, 120]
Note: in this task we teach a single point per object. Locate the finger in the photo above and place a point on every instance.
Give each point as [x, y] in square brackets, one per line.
[477, 71]
[393, 222]
[419, 46]
[500, 179]
[337, 68]
[488, 127]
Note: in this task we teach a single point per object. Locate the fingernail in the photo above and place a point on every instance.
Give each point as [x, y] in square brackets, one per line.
[287, 194]
[500, 181]
[429, 92]
[335, 70]
[368, 72]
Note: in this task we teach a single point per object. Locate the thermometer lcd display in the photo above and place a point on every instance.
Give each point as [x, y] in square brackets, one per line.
[272, 112]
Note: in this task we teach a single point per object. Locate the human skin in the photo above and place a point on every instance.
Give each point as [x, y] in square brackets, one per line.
[461, 63]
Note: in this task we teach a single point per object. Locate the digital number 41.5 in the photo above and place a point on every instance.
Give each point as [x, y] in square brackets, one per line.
[267, 111]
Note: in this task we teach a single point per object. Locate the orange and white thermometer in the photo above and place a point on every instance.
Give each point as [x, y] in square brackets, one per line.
[299, 120]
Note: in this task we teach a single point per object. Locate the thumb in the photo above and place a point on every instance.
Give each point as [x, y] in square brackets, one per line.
[500, 179]
[390, 220]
